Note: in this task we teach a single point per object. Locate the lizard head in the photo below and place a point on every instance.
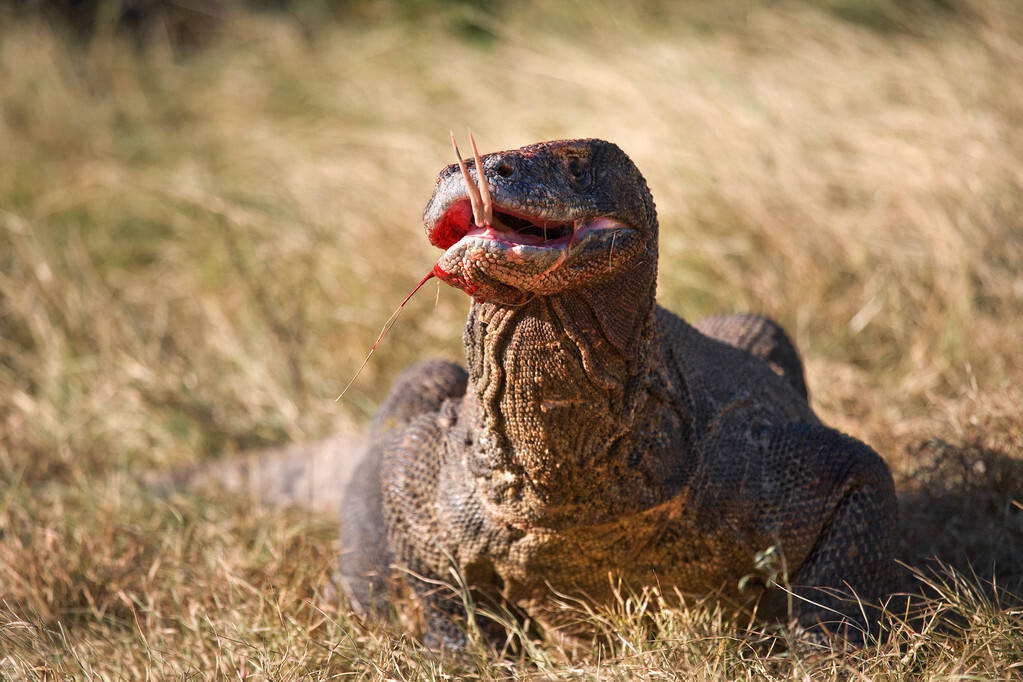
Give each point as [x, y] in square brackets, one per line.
[541, 220]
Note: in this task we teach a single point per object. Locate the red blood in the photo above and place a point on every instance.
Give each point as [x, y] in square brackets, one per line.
[453, 225]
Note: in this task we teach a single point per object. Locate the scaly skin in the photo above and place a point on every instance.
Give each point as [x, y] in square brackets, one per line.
[598, 435]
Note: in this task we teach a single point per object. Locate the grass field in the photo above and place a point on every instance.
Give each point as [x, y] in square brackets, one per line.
[198, 245]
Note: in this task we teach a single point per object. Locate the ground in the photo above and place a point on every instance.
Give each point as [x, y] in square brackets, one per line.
[198, 244]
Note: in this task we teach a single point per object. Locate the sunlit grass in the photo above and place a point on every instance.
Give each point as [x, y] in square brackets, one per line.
[197, 249]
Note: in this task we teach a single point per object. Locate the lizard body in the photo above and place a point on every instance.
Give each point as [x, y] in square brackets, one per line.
[596, 435]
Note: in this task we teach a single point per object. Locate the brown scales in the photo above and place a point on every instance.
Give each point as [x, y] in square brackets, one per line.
[595, 434]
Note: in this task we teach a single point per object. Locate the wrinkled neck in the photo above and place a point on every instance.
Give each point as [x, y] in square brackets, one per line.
[555, 385]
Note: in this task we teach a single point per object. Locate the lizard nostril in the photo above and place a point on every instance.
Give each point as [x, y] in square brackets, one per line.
[505, 169]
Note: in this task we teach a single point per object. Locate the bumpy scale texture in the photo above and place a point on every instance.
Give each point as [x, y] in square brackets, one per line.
[598, 439]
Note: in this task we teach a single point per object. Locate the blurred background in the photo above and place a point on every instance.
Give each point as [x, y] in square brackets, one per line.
[209, 209]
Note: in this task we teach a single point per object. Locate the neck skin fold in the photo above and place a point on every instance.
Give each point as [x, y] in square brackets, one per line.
[555, 388]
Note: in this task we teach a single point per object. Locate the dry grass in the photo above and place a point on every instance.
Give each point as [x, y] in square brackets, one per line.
[196, 250]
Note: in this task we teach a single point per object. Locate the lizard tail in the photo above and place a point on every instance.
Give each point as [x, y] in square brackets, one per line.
[308, 475]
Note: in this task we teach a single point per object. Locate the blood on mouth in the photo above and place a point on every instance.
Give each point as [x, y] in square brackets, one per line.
[476, 216]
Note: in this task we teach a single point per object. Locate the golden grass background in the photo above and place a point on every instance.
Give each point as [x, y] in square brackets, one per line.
[199, 244]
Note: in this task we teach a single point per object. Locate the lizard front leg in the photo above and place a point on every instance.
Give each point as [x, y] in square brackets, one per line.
[365, 562]
[849, 568]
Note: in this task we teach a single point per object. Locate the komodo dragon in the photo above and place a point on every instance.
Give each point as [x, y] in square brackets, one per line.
[597, 435]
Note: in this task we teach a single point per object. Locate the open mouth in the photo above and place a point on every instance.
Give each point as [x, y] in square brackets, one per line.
[513, 228]
[478, 216]
[490, 246]
[499, 248]
[543, 230]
